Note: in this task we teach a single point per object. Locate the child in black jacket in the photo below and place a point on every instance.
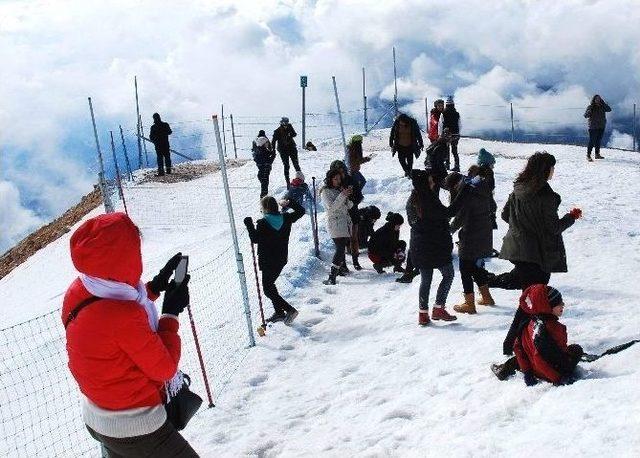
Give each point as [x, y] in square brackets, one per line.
[385, 247]
[271, 233]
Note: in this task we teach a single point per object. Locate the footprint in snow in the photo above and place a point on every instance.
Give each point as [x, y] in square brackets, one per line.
[348, 371]
[369, 311]
[314, 300]
[287, 347]
[398, 414]
[327, 310]
[312, 322]
[258, 380]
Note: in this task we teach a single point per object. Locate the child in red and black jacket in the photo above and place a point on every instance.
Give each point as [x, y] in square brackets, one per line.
[541, 346]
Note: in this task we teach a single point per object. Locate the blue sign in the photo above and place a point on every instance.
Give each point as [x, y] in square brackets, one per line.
[303, 81]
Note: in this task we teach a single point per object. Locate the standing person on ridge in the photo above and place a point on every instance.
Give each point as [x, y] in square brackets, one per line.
[451, 120]
[271, 233]
[533, 242]
[435, 116]
[335, 199]
[597, 121]
[284, 143]
[263, 155]
[121, 352]
[406, 140]
[159, 136]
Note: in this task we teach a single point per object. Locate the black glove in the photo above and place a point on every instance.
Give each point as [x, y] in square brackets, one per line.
[161, 281]
[530, 379]
[176, 298]
[248, 222]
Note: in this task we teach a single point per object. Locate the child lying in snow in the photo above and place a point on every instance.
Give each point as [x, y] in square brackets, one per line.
[541, 346]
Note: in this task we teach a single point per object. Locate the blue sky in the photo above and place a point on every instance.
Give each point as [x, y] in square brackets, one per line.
[192, 57]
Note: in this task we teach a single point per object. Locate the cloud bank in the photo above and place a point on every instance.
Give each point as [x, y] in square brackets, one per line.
[546, 57]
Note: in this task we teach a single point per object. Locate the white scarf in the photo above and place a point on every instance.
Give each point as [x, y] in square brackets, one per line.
[109, 289]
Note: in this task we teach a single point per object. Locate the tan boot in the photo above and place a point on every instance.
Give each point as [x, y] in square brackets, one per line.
[485, 298]
[468, 306]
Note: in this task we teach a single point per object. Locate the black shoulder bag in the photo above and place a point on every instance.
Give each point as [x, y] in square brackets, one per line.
[183, 405]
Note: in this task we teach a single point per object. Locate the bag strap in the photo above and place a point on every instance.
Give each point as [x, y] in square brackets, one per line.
[74, 313]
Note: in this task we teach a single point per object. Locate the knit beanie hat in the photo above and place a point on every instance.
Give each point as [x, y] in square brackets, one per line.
[395, 218]
[554, 296]
[300, 175]
[449, 100]
[374, 212]
[485, 157]
[356, 139]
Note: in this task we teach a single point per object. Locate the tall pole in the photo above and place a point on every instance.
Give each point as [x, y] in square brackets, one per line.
[118, 180]
[224, 135]
[364, 99]
[102, 183]
[234, 235]
[344, 142]
[144, 144]
[395, 84]
[304, 117]
[126, 155]
[513, 133]
[634, 126]
[426, 114]
[233, 134]
[135, 83]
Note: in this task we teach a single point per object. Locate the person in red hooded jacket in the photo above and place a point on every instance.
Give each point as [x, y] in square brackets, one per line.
[435, 120]
[122, 355]
[541, 346]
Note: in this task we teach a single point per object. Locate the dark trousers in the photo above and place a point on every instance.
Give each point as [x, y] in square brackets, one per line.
[529, 274]
[163, 158]
[405, 157]
[166, 442]
[595, 138]
[341, 246]
[453, 150]
[285, 156]
[470, 271]
[263, 176]
[269, 278]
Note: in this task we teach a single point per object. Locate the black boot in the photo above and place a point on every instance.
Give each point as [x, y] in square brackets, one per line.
[356, 263]
[277, 316]
[505, 370]
[378, 268]
[290, 315]
[343, 271]
[408, 276]
[332, 276]
[398, 269]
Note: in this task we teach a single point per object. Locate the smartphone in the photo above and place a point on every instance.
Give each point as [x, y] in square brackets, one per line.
[181, 270]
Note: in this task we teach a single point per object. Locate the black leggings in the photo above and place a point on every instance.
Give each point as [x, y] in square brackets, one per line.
[341, 245]
[285, 156]
[595, 138]
[269, 278]
[470, 272]
[405, 157]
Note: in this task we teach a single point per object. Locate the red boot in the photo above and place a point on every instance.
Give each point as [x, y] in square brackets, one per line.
[423, 317]
[439, 313]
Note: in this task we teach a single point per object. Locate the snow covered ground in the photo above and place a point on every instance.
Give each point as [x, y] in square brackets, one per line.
[355, 375]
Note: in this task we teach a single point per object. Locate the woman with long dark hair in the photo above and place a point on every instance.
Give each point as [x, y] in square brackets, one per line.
[534, 242]
[597, 121]
[336, 202]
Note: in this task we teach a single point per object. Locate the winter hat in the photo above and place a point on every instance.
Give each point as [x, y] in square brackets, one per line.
[337, 164]
[374, 212]
[554, 296]
[300, 175]
[395, 218]
[356, 139]
[449, 100]
[284, 120]
[262, 134]
[437, 102]
[485, 158]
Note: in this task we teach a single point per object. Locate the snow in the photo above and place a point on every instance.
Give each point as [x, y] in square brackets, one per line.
[355, 375]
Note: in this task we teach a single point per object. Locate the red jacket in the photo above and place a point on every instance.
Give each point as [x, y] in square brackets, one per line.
[118, 361]
[434, 118]
[533, 301]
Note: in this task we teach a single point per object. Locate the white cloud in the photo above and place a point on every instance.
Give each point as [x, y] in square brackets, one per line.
[620, 140]
[15, 220]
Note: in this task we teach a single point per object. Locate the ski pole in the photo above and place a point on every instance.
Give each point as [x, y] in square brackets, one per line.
[200, 359]
[262, 328]
[315, 219]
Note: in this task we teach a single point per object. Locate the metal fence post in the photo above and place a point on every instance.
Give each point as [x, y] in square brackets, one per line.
[426, 114]
[102, 182]
[364, 99]
[513, 134]
[232, 223]
[233, 134]
[135, 83]
[344, 141]
[224, 134]
[144, 144]
[634, 127]
[395, 84]
[314, 219]
[118, 180]
[126, 155]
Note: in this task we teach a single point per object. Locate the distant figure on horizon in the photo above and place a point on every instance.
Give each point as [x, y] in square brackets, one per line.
[406, 140]
[450, 119]
[159, 136]
[284, 143]
[597, 121]
[263, 155]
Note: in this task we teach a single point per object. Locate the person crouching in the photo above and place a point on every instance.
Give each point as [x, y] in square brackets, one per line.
[271, 233]
[385, 247]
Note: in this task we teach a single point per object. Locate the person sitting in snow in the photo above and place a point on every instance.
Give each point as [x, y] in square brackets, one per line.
[271, 233]
[263, 155]
[541, 350]
[299, 191]
[367, 218]
[310, 146]
[385, 247]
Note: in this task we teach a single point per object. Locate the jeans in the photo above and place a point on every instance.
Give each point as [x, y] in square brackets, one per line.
[341, 245]
[285, 156]
[269, 278]
[426, 275]
[595, 138]
[470, 271]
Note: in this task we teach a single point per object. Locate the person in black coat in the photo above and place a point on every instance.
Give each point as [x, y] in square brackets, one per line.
[597, 120]
[284, 143]
[406, 140]
[263, 155]
[437, 155]
[271, 233]
[159, 136]
[451, 121]
[431, 244]
[385, 247]
[475, 223]
[367, 218]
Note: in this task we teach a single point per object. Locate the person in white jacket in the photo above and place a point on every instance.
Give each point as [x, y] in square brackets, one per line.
[336, 202]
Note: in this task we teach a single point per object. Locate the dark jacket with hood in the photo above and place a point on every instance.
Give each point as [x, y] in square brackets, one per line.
[415, 133]
[475, 221]
[535, 231]
[541, 344]
[365, 225]
[451, 119]
[384, 242]
[436, 158]
[263, 154]
[283, 138]
[159, 135]
[273, 243]
[596, 115]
